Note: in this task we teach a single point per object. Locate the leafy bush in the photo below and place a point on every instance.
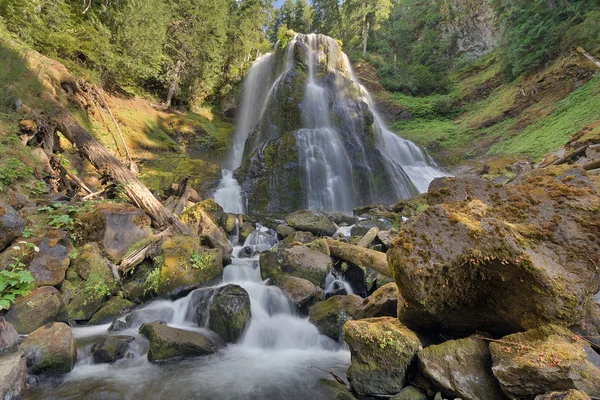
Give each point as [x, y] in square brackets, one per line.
[201, 260]
[12, 170]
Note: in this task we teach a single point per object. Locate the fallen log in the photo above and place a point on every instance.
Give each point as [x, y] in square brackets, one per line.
[108, 165]
[581, 150]
[368, 238]
[589, 56]
[149, 250]
[591, 165]
[358, 255]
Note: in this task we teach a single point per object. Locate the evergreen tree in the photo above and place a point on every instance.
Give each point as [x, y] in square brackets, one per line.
[327, 18]
[364, 15]
[302, 17]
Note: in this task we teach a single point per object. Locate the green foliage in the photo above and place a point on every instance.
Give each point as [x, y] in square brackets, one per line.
[96, 285]
[62, 216]
[284, 35]
[201, 260]
[152, 281]
[12, 170]
[16, 281]
[327, 17]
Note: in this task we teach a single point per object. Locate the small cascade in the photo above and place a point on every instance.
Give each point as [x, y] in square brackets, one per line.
[336, 284]
[229, 194]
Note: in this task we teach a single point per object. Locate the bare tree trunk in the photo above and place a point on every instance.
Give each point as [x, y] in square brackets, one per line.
[365, 33]
[174, 83]
[108, 165]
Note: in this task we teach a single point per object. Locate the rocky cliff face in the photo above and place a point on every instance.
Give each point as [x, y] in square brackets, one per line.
[472, 23]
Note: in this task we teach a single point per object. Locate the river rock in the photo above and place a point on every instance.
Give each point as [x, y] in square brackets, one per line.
[245, 230]
[8, 336]
[297, 261]
[545, 359]
[11, 225]
[383, 302]
[199, 307]
[568, 395]
[375, 280]
[298, 290]
[229, 223]
[342, 219]
[50, 349]
[116, 226]
[361, 228]
[210, 232]
[331, 315]
[411, 393]
[137, 318]
[382, 350]
[298, 237]
[50, 264]
[30, 312]
[387, 237]
[111, 349]
[112, 309]
[246, 252]
[310, 221]
[13, 372]
[461, 368]
[468, 260]
[284, 231]
[230, 312]
[333, 390]
[167, 343]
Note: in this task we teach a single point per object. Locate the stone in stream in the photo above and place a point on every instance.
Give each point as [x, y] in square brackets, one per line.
[30, 312]
[461, 368]
[245, 230]
[383, 302]
[411, 393]
[298, 261]
[246, 252]
[111, 310]
[298, 237]
[333, 390]
[545, 359]
[230, 312]
[382, 350]
[568, 395]
[13, 372]
[11, 225]
[50, 349]
[137, 318]
[467, 261]
[167, 343]
[298, 290]
[50, 264]
[111, 348]
[311, 221]
[8, 336]
[331, 315]
[284, 231]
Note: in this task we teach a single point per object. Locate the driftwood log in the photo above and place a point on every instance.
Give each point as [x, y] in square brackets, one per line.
[358, 255]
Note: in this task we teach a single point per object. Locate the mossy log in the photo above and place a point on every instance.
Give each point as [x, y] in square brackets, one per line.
[359, 255]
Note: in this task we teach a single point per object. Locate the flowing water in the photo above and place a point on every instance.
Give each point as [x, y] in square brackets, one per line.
[280, 356]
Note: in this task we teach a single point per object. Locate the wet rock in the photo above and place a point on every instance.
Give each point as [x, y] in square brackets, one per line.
[112, 309]
[229, 223]
[50, 349]
[333, 390]
[102, 394]
[210, 233]
[361, 228]
[50, 264]
[340, 219]
[245, 230]
[545, 359]
[382, 350]
[230, 312]
[116, 226]
[8, 336]
[298, 237]
[137, 318]
[13, 372]
[331, 315]
[319, 245]
[297, 261]
[356, 276]
[383, 302]
[375, 280]
[568, 395]
[310, 221]
[462, 267]
[30, 312]
[111, 348]
[199, 308]
[298, 290]
[411, 393]
[284, 231]
[461, 368]
[167, 343]
[246, 252]
[11, 225]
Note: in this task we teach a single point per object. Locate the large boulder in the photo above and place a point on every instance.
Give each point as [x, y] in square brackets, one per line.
[545, 359]
[111, 348]
[568, 395]
[11, 225]
[30, 312]
[298, 290]
[383, 302]
[116, 226]
[210, 232]
[50, 264]
[230, 312]
[167, 343]
[333, 390]
[468, 260]
[298, 261]
[331, 315]
[8, 336]
[382, 350]
[50, 349]
[310, 221]
[362, 227]
[461, 368]
[137, 318]
[111, 310]
[13, 372]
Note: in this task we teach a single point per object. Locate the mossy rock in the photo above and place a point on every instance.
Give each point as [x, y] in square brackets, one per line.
[111, 310]
[167, 343]
[298, 290]
[111, 348]
[284, 231]
[11, 225]
[297, 261]
[333, 390]
[310, 221]
[331, 315]
[411, 393]
[382, 350]
[545, 359]
[39, 307]
[383, 302]
[50, 264]
[245, 230]
[50, 349]
[230, 312]
[229, 223]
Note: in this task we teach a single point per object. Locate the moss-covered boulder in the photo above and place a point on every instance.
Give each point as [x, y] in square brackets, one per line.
[331, 315]
[50, 264]
[229, 223]
[211, 234]
[545, 359]
[13, 373]
[230, 312]
[112, 309]
[383, 302]
[362, 227]
[461, 368]
[284, 231]
[310, 221]
[111, 348]
[39, 307]
[50, 349]
[11, 225]
[382, 350]
[298, 237]
[298, 290]
[116, 226]
[333, 390]
[298, 261]
[468, 260]
[568, 395]
[245, 230]
[411, 393]
[183, 263]
[167, 343]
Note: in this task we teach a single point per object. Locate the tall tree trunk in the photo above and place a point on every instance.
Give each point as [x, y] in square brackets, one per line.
[107, 164]
[365, 33]
[174, 83]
